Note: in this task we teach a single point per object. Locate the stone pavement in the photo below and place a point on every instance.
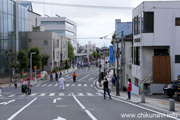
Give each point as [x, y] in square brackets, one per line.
[154, 103]
[38, 80]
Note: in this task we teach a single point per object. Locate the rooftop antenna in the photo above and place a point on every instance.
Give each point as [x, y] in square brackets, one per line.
[57, 15]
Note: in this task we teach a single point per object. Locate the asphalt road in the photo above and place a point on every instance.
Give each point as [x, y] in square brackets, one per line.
[79, 101]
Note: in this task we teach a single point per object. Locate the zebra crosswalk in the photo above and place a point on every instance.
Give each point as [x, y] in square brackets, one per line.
[67, 85]
[54, 94]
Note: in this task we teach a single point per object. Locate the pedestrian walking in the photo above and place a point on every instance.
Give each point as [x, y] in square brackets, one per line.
[74, 76]
[61, 83]
[23, 86]
[60, 74]
[51, 76]
[114, 80]
[106, 89]
[15, 82]
[56, 75]
[129, 89]
[29, 87]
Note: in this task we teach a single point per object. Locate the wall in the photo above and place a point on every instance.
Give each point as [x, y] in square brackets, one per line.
[32, 20]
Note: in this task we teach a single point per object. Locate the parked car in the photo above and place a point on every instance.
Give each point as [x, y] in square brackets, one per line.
[170, 89]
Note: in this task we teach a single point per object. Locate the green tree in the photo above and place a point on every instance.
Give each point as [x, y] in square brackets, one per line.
[22, 59]
[113, 37]
[95, 54]
[36, 58]
[70, 50]
[44, 60]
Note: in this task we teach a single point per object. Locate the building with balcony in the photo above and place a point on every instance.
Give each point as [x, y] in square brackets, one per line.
[156, 55]
[63, 26]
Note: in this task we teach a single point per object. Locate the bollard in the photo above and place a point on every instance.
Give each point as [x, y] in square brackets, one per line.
[142, 98]
[0, 91]
[171, 105]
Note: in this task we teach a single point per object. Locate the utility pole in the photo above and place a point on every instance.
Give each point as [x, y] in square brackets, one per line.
[122, 59]
[61, 53]
[117, 56]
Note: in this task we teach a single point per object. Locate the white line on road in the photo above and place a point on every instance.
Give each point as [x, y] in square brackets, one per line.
[5, 103]
[80, 94]
[146, 108]
[83, 77]
[15, 114]
[67, 84]
[12, 95]
[89, 94]
[87, 111]
[79, 84]
[56, 84]
[33, 94]
[44, 85]
[42, 94]
[49, 85]
[85, 85]
[61, 94]
[51, 94]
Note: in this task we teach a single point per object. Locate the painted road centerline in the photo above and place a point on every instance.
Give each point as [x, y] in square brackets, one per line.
[82, 106]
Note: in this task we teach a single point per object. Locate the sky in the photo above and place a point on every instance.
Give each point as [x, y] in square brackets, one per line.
[91, 22]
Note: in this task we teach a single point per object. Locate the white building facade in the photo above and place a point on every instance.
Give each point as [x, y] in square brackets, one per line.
[156, 33]
[63, 26]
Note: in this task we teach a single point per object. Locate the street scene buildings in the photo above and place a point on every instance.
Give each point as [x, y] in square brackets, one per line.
[54, 66]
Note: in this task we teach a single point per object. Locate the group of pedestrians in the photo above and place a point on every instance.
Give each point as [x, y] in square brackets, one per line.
[114, 80]
[26, 87]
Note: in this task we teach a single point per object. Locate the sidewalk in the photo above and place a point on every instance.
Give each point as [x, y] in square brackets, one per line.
[38, 80]
[154, 103]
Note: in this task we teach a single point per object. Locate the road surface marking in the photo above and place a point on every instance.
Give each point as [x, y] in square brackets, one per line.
[37, 85]
[73, 85]
[81, 105]
[54, 101]
[80, 94]
[5, 103]
[59, 118]
[145, 108]
[90, 94]
[44, 85]
[79, 84]
[67, 85]
[42, 94]
[33, 94]
[15, 114]
[49, 85]
[83, 77]
[91, 78]
[91, 85]
[56, 84]
[12, 95]
[61, 94]
[85, 85]
[51, 94]
[99, 94]
[22, 95]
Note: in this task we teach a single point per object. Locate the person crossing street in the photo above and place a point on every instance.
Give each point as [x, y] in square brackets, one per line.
[61, 83]
[106, 88]
[74, 76]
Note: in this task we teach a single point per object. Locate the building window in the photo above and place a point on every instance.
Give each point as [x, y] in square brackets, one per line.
[177, 58]
[147, 22]
[29, 40]
[137, 25]
[137, 56]
[57, 43]
[45, 42]
[177, 21]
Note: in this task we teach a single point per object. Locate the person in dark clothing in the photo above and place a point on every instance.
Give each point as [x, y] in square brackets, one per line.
[15, 82]
[106, 89]
[56, 76]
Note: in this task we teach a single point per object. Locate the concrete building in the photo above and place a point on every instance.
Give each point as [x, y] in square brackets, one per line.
[50, 43]
[156, 44]
[63, 26]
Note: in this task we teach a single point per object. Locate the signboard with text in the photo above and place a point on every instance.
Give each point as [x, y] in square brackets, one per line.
[110, 54]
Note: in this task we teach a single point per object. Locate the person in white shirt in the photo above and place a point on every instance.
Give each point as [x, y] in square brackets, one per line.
[61, 83]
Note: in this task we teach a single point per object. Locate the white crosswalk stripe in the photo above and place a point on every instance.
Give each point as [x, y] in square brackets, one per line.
[42, 94]
[80, 94]
[12, 95]
[37, 85]
[44, 85]
[33, 94]
[61, 94]
[99, 94]
[67, 85]
[85, 85]
[56, 84]
[49, 85]
[67, 75]
[90, 94]
[79, 84]
[91, 85]
[51, 94]
[22, 95]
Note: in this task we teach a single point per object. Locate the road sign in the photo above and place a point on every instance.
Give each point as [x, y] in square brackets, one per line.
[64, 61]
[50, 63]
[35, 67]
[110, 54]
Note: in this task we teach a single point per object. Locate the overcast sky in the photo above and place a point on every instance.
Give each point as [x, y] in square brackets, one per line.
[91, 22]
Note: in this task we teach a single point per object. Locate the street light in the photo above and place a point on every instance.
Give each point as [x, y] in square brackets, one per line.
[31, 64]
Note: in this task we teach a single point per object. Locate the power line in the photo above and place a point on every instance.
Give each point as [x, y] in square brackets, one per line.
[82, 6]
